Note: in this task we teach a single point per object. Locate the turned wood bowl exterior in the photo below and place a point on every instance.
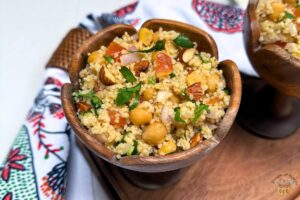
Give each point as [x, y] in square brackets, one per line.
[274, 64]
[152, 163]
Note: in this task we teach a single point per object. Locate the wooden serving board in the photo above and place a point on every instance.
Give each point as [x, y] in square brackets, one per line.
[243, 166]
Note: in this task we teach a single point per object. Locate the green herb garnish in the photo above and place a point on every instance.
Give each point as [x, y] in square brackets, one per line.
[297, 5]
[227, 91]
[198, 111]
[183, 93]
[183, 41]
[128, 75]
[95, 101]
[157, 47]
[109, 59]
[125, 94]
[177, 115]
[135, 101]
[133, 150]
[287, 15]
[152, 80]
[172, 75]
[123, 139]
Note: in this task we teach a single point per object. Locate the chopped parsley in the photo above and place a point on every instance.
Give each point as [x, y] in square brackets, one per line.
[127, 74]
[198, 111]
[183, 41]
[125, 94]
[177, 115]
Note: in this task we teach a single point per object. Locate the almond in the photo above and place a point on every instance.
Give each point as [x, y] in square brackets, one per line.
[196, 91]
[106, 77]
[195, 139]
[141, 66]
[188, 54]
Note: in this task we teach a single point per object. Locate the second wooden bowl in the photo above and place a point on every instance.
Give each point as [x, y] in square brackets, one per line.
[151, 163]
[274, 64]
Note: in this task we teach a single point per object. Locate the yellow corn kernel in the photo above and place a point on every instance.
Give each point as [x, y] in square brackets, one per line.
[167, 147]
[278, 9]
[193, 77]
[145, 36]
[95, 56]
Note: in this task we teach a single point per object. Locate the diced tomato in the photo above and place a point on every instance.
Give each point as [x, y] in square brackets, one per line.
[115, 119]
[196, 91]
[213, 101]
[163, 65]
[114, 50]
[83, 107]
[297, 12]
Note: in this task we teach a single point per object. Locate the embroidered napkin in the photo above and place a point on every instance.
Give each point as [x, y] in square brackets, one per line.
[36, 167]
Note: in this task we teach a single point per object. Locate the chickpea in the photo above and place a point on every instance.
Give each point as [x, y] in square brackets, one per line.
[155, 133]
[193, 77]
[145, 36]
[94, 57]
[167, 148]
[278, 9]
[101, 138]
[149, 93]
[139, 116]
[212, 82]
[174, 99]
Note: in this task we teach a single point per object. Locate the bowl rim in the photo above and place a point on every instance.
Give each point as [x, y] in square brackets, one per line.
[81, 132]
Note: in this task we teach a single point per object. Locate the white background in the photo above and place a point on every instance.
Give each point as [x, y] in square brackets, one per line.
[29, 33]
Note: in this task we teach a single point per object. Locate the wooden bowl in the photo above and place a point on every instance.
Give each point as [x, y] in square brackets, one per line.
[274, 64]
[151, 163]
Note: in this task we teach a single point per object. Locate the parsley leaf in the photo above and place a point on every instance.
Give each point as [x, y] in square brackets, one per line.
[125, 94]
[133, 150]
[287, 15]
[227, 91]
[109, 59]
[177, 115]
[198, 111]
[95, 101]
[157, 47]
[135, 101]
[128, 75]
[183, 41]
[172, 75]
[152, 80]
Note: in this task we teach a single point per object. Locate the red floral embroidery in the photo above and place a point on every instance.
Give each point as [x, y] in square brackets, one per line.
[10, 164]
[219, 17]
[8, 196]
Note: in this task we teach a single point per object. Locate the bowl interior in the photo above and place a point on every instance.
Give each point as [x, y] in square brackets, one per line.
[152, 163]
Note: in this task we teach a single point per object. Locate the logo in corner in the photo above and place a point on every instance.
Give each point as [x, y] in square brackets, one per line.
[285, 183]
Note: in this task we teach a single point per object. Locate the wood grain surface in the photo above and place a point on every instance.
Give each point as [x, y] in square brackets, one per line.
[243, 167]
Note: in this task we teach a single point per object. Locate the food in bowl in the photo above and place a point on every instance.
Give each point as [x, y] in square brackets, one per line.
[152, 93]
[279, 22]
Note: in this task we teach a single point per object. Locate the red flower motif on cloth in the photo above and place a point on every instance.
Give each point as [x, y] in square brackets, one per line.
[122, 12]
[220, 17]
[54, 81]
[11, 163]
[8, 196]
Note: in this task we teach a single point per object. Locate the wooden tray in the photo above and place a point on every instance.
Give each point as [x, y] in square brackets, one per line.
[243, 166]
